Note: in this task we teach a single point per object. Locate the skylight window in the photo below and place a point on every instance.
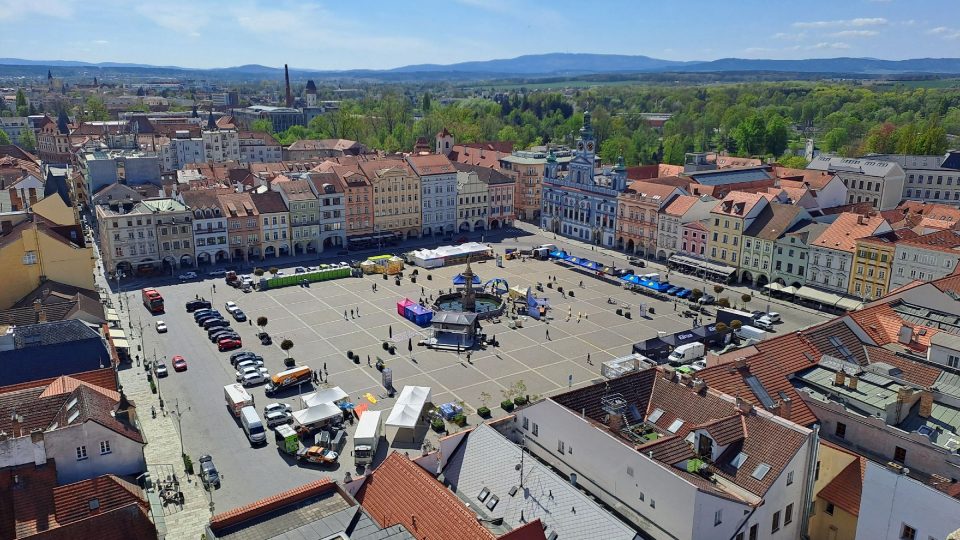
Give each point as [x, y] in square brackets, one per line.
[675, 426]
[738, 460]
[72, 404]
[655, 415]
[73, 416]
[761, 471]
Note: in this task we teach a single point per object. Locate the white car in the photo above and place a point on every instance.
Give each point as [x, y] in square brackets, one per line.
[231, 307]
[764, 323]
[161, 327]
[251, 363]
[188, 275]
[277, 418]
[259, 371]
[773, 316]
[161, 369]
[253, 378]
[277, 407]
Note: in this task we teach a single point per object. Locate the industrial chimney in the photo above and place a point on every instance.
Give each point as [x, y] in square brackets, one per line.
[286, 75]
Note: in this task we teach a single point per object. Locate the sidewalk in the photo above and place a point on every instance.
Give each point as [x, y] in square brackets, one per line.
[162, 450]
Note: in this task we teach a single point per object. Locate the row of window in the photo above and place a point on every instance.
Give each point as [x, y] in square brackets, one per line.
[937, 194]
[176, 245]
[919, 179]
[82, 450]
[143, 249]
[726, 224]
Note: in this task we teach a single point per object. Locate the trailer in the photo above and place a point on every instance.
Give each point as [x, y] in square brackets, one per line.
[366, 437]
[237, 398]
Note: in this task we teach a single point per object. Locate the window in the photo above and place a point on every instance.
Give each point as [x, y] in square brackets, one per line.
[816, 472]
[829, 508]
[908, 533]
[536, 430]
[790, 478]
[717, 517]
[900, 454]
[775, 525]
[81, 453]
[739, 536]
[104, 447]
[561, 447]
[788, 514]
[841, 430]
[953, 361]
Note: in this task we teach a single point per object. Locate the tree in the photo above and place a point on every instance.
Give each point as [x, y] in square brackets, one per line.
[261, 126]
[22, 108]
[746, 299]
[674, 150]
[274, 270]
[777, 135]
[794, 162]
[96, 109]
[425, 102]
[262, 322]
[718, 289]
[724, 302]
[750, 135]
[27, 140]
[736, 324]
[286, 345]
[258, 271]
[4, 138]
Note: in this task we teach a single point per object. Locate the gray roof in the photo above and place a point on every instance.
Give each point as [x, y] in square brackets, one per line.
[722, 177]
[866, 166]
[488, 460]
[51, 349]
[454, 317]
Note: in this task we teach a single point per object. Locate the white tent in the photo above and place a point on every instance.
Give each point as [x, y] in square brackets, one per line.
[327, 395]
[408, 407]
[316, 414]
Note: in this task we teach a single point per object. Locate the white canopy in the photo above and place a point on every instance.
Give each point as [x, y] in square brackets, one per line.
[408, 407]
[327, 395]
[316, 414]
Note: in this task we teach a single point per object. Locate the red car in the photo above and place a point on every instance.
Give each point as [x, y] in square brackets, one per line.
[179, 364]
[229, 344]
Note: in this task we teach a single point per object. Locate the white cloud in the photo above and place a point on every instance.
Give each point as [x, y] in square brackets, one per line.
[944, 32]
[101, 42]
[855, 33]
[785, 36]
[20, 9]
[862, 21]
[829, 45]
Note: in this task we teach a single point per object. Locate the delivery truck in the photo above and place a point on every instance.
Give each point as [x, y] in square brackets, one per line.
[366, 437]
[686, 354]
[237, 398]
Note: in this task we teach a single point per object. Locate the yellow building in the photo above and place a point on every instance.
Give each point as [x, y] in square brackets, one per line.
[873, 263]
[50, 246]
[726, 223]
[396, 196]
[837, 489]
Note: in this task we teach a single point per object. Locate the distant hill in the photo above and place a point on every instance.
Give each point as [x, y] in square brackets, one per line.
[526, 67]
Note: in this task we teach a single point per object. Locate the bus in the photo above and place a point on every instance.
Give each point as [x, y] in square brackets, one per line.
[152, 300]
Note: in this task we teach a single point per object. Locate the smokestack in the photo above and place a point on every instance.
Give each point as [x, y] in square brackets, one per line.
[286, 75]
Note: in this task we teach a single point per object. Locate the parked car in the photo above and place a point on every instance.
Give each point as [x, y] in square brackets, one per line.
[217, 273]
[208, 472]
[773, 316]
[161, 327]
[239, 315]
[231, 307]
[194, 305]
[203, 312]
[757, 314]
[179, 363]
[277, 418]
[222, 333]
[243, 355]
[635, 261]
[187, 275]
[299, 270]
[229, 344]
[160, 369]
[249, 363]
[707, 299]
[684, 293]
[317, 454]
[277, 407]
[764, 323]
[674, 290]
[208, 317]
[241, 374]
[264, 338]
[254, 378]
[213, 323]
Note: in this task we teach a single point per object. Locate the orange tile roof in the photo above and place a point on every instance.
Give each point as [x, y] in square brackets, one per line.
[72, 501]
[843, 233]
[649, 189]
[680, 205]
[530, 531]
[845, 489]
[670, 170]
[737, 203]
[431, 164]
[946, 240]
[883, 325]
[916, 373]
[269, 504]
[814, 178]
[398, 491]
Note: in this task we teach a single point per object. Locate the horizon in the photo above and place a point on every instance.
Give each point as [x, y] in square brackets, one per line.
[314, 35]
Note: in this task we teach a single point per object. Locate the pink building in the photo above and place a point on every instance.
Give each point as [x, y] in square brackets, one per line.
[694, 239]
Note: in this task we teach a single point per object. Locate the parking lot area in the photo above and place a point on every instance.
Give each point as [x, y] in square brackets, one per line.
[545, 356]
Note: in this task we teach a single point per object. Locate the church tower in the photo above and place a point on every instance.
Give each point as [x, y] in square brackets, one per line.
[581, 167]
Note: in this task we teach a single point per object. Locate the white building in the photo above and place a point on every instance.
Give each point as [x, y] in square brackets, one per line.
[683, 209]
[209, 225]
[213, 146]
[925, 258]
[894, 506]
[331, 201]
[438, 192]
[678, 460]
[831, 254]
[944, 350]
[878, 182]
[14, 126]
[256, 147]
[929, 178]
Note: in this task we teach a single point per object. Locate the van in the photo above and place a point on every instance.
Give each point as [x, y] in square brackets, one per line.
[252, 426]
[685, 354]
[764, 323]
[750, 332]
[289, 377]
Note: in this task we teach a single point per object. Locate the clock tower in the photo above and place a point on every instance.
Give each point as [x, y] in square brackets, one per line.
[581, 167]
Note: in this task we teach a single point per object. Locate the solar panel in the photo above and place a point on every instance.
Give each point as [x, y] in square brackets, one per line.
[761, 471]
[759, 391]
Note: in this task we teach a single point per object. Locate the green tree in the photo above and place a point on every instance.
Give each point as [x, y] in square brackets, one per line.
[4, 138]
[261, 126]
[425, 102]
[615, 147]
[27, 140]
[674, 149]
[836, 139]
[22, 108]
[96, 109]
[750, 135]
[286, 345]
[881, 139]
[794, 162]
[777, 135]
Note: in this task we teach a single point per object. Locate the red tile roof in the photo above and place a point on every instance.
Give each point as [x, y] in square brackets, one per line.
[398, 491]
[946, 240]
[813, 178]
[650, 189]
[680, 205]
[737, 203]
[431, 164]
[916, 373]
[843, 233]
[845, 489]
[274, 502]
[530, 531]
[883, 325]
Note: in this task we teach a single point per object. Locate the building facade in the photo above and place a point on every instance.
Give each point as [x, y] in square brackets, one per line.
[213, 146]
[791, 254]
[582, 203]
[926, 257]
[881, 183]
[638, 212]
[726, 224]
[301, 202]
[209, 225]
[671, 232]
[396, 197]
[331, 209]
[472, 205]
[281, 118]
[501, 190]
[258, 147]
[831, 254]
[243, 226]
[756, 257]
[274, 223]
[693, 239]
[928, 178]
[174, 222]
[438, 192]
[358, 193]
[873, 263]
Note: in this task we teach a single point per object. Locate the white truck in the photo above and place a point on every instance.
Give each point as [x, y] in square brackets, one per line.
[237, 398]
[366, 437]
[685, 354]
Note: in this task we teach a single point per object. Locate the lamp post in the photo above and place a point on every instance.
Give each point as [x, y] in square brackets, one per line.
[117, 276]
[178, 416]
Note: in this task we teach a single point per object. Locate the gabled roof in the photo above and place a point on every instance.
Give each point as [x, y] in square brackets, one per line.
[429, 164]
[652, 190]
[813, 178]
[237, 205]
[737, 204]
[845, 489]
[374, 168]
[268, 202]
[773, 221]
[297, 190]
[325, 182]
[485, 174]
[946, 241]
[58, 301]
[398, 491]
[843, 233]
[52, 349]
[680, 205]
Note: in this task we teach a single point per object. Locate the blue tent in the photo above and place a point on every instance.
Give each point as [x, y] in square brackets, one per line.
[558, 254]
[593, 265]
[460, 280]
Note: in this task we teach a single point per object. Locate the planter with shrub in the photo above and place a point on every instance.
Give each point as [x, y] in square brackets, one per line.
[187, 464]
[520, 401]
[506, 405]
[620, 311]
[393, 349]
[349, 355]
[627, 314]
[460, 420]
[436, 424]
[386, 346]
[484, 412]
[429, 277]
[153, 387]
[289, 362]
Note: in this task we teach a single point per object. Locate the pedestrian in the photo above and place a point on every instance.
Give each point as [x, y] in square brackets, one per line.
[468, 358]
[344, 314]
[324, 367]
[368, 360]
[214, 287]
[588, 359]
[579, 316]
[351, 313]
[423, 291]
[358, 312]
[548, 334]
[581, 283]
[196, 296]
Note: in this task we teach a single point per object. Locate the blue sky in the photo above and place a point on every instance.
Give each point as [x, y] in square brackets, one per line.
[383, 34]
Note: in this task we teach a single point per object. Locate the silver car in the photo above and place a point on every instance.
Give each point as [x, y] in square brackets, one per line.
[249, 363]
[261, 371]
[277, 407]
[277, 418]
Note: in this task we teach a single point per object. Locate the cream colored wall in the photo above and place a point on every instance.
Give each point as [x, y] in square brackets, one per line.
[832, 462]
[55, 260]
[54, 209]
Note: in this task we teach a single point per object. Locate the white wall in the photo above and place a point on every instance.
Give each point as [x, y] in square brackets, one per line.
[125, 457]
[833, 194]
[913, 263]
[890, 500]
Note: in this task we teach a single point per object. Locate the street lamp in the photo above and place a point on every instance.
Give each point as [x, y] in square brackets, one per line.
[178, 416]
[117, 275]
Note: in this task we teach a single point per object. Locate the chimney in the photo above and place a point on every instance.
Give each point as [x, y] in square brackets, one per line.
[740, 362]
[904, 394]
[742, 406]
[668, 373]
[786, 408]
[852, 382]
[905, 336]
[861, 219]
[699, 385]
[614, 422]
[926, 403]
[838, 378]
[286, 74]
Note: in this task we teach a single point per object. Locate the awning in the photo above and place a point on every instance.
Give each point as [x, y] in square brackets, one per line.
[112, 315]
[829, 299]
[790, 290]
[406, 411]
[327, 395]
[121, 343]
[776, 287]
[702, 264]
[316, 414]
[850, 304]
[117, 334]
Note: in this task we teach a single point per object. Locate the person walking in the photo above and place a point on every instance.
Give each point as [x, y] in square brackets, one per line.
[358, 312]
[548, 334]
[588, 359]
[344, 314]
[351, 313]
[368, 360]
